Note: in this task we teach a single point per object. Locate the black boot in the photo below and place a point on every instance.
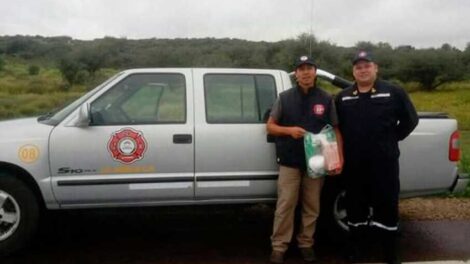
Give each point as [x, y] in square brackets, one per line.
[354, 244]
[391, 247]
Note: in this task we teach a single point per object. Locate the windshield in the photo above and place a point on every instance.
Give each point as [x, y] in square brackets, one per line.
[56, 117]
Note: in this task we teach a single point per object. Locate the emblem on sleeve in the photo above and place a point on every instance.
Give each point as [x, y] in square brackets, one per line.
[318, 109]
[127, 145]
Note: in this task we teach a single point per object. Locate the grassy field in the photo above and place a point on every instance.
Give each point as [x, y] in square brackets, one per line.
[453, 99]
[22, 94]
[465, 161]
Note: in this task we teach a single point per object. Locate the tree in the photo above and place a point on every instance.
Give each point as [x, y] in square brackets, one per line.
[92, 58]
[119, 52]
[365, 45]
[78, 60]
[432, 68]
[33, 70]
[466, 60]
[69, 68]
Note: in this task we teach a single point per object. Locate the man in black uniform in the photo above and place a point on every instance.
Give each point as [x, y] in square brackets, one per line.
[373, 116]
[302, 108]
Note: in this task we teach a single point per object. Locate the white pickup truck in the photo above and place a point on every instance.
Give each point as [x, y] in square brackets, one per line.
[149, 137]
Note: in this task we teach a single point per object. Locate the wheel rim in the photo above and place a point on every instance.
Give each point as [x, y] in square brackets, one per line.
[9, 215]
[339, 211]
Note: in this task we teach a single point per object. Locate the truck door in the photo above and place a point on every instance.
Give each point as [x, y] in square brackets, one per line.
[139, 147]
[233, 158]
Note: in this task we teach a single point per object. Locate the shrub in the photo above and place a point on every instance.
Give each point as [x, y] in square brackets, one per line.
[81, 77]
[69, 70]
[2, 63]
[37, 86]
[33, 70]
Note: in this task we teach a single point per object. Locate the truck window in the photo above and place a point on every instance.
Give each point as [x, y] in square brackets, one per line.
[238, 98]
[142, 99]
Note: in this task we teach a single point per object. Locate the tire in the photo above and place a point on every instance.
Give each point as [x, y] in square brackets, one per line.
[333, 218]
[19, 214]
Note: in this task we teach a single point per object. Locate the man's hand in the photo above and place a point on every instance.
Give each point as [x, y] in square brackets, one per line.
[276, 130]
[336, 171]
[297, 132]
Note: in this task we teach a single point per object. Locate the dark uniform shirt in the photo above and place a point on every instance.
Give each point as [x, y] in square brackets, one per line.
[311, 111]
[372, 123]
[276, 111]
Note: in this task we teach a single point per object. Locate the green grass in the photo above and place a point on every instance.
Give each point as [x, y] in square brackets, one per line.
[22, 105]
[465, 160]
[465, 142]
[453, 98]
[22, 94]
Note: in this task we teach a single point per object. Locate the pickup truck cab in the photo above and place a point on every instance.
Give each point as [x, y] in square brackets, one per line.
[149, 137]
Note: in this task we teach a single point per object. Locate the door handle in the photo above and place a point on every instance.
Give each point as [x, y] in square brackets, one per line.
[182, 139]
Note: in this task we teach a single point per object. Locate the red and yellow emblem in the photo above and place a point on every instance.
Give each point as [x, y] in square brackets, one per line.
[127, 145]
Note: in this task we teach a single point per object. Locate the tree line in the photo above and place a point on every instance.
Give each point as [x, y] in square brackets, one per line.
[78, 60]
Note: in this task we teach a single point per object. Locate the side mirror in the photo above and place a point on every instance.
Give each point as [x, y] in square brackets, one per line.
[83, 118]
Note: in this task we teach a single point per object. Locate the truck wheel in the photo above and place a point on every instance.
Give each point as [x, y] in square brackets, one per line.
[333, 216]
[339, 211]
[19, 214]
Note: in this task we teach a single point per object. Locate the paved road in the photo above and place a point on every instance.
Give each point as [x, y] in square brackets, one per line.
[205, 234]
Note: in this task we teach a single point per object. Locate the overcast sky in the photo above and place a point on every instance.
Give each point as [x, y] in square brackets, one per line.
[421, 23]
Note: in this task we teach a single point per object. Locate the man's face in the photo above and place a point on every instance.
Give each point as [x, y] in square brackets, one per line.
[305, 75]
[365, 72]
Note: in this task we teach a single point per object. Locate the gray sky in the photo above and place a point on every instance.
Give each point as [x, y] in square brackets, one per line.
[421, 23]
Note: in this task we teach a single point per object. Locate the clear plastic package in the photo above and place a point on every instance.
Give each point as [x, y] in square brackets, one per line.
[321, 152]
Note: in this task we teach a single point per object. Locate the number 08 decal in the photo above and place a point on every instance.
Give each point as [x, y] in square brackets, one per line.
[28, 153]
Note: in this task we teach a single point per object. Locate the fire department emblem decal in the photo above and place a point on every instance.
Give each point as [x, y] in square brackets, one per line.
[318, 109]
[127, 145]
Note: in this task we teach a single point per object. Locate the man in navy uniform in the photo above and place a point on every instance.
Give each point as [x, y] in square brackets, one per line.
[302, 108]
[374, 116]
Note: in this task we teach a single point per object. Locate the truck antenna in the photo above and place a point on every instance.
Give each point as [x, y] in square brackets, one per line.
[311, 27]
